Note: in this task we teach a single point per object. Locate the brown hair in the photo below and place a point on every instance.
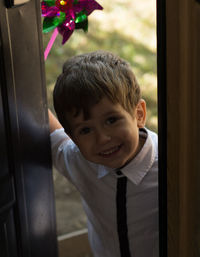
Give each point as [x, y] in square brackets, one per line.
[89, 77]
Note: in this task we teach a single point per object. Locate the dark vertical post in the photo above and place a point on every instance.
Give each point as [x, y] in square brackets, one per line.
[162, 124]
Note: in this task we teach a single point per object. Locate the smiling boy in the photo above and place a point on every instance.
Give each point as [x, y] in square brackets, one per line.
[108, 155]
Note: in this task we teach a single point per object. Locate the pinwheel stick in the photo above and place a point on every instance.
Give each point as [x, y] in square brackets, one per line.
[50, 44]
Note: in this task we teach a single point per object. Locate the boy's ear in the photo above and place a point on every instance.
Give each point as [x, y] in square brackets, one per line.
[141, 113]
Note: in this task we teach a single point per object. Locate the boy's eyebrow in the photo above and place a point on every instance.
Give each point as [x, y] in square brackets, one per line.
[111, 113]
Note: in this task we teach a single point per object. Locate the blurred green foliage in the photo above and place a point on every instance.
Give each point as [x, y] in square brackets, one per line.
[125, 27]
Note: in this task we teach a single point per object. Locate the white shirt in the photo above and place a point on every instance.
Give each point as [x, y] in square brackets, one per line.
[97, 186]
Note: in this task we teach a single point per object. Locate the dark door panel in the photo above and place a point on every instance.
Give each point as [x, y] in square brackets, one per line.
[27, 213]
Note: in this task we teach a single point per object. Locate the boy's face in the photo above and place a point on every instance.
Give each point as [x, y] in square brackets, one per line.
[110, 136]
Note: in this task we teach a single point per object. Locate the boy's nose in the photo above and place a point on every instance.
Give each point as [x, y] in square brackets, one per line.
[103, 137]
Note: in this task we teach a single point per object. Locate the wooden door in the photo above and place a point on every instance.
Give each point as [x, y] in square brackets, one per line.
[179, 126]
[27, 213]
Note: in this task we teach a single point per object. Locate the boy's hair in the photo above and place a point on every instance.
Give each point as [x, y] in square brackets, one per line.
[89, 77]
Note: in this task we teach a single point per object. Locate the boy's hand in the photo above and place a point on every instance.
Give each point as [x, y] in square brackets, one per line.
[53, 122]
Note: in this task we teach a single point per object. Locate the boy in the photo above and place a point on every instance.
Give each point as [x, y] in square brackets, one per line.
[112, 159]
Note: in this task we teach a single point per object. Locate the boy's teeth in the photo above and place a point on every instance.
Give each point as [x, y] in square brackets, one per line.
[110, 151]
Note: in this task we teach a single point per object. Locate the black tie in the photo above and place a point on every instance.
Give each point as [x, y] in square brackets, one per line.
[122, 214]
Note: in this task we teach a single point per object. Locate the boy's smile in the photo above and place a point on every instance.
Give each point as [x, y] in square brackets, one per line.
[110, 136]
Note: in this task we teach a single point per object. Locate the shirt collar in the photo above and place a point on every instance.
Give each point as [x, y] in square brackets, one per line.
[139, 166]
[103, 171]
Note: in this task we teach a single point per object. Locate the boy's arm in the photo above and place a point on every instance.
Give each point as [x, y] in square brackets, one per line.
[58, 139]
[53, 122]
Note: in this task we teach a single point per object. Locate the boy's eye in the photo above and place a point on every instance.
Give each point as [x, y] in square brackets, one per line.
[84, 131]
[111, 120]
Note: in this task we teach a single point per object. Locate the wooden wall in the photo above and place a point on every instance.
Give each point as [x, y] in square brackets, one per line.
[183, 126]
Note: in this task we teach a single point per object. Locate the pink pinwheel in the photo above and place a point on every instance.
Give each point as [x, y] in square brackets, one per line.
[67, 15]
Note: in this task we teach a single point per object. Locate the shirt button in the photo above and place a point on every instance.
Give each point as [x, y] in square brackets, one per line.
[118, 172]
